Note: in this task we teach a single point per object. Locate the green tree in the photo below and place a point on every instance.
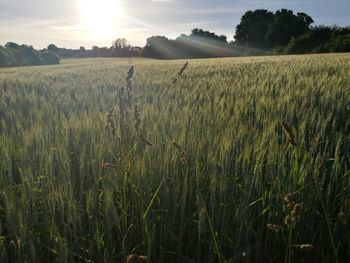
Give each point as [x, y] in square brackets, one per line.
[121, 48]
[252, 29]
[313, 41]
[340, 43]
[52, 48]
[50, 58]
[286, 25]
[208, 35]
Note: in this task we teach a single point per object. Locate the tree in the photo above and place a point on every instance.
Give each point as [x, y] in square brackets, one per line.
[313, 41]
[121, 48]
[52, 48]
[286, 25]
[50, 58]
[340, 43]
[95, 51]
[23, 55]
[119, 44]
[157, 47]
[305, 19]
[12, 45]
[5, 59]
[208, 35]
[199, 44]
[252, 29]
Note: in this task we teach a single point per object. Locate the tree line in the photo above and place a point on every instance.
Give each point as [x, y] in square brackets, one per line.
[119, 48]
[260, 32]
[283, 32]
[12, 55]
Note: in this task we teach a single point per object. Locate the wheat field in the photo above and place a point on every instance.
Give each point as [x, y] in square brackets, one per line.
[233, 160]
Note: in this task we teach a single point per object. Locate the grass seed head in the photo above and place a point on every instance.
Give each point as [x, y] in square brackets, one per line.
[288, 198]
[143, 259]
[133, 258]
[288, 220]
[273, 227]
[130, 73]
[297, 208]
[306, 247]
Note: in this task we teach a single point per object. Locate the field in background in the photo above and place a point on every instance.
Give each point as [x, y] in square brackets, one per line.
[200, 170]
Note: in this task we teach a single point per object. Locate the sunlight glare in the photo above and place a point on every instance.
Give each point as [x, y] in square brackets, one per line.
[101, 17]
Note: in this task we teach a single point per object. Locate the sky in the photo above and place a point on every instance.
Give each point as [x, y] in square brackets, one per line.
[75, 23]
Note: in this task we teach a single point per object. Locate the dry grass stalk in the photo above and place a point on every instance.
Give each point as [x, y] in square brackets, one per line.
[180, 72]
[289, 133]
[109, 165]
[110, 122]
[344, 212]
[145, 141]
[125, 103]
[129, 85]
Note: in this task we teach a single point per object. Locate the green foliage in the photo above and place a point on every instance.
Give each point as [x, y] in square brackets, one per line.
[340, 43]
[52, 48]
[208, 35]
[264, 29]
[22, 55]
[308, 42]
[5, 57]
[286, 25]
[199, 44]
[119, 48]
[252, 29]
[230, 139]
[321, 39]
[264, 32]
[50, 58]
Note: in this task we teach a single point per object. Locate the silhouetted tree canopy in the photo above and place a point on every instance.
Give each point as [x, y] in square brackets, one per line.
[340, 43]
[207, 35]
[286, 25]
[312, 41]
[321, 39]
[252, 29]
[264, 29]
[264, 32]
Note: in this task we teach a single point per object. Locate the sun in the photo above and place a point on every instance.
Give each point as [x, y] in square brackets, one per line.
[100, 17]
